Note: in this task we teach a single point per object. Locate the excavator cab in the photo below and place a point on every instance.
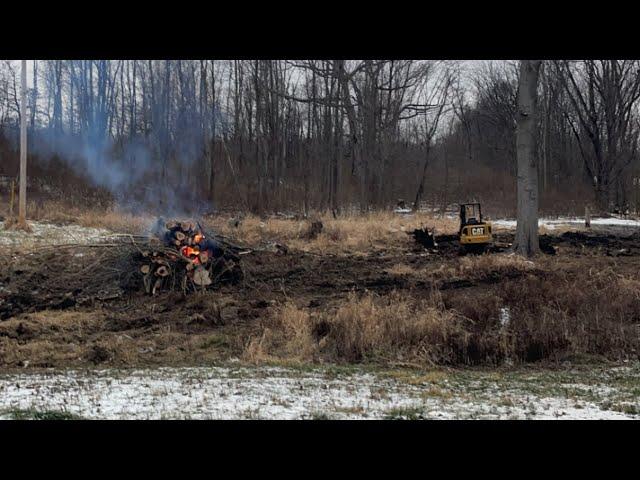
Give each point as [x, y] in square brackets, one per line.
[474, 230]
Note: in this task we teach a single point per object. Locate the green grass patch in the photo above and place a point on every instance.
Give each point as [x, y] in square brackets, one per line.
[41, 415]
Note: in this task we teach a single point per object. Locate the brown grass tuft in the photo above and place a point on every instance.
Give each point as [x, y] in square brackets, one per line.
[481, 266]
[366, 328]
[402, 269]
[391, 328]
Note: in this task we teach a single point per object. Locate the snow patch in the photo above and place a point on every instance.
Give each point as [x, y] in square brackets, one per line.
[505, 316]
[273, 393]
[51, 234]
[564, 221]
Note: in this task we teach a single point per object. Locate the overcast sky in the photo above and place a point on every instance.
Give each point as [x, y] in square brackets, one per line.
[468, 67]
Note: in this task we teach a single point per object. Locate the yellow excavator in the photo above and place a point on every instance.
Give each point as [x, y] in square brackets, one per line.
[475, 232]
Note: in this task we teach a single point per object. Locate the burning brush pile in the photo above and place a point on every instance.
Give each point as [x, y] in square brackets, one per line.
[182, 256]
[177, 256]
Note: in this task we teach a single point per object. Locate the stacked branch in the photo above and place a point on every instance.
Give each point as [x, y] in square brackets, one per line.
[187, 258]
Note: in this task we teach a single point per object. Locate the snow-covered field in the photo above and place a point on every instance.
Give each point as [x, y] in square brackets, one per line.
[51, 234]
[573, 221]
[278, 393]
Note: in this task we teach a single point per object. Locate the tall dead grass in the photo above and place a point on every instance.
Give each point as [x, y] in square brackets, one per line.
[479, 266]
[353, 233]
[109, 218]
[471, 268]
[594, 312]
[365, 328]
[528, 319]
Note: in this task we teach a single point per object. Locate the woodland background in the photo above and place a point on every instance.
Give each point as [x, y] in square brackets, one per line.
[337, 135]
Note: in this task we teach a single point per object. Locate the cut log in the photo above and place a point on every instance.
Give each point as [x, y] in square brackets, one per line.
[183, 252]
[201, 276]
[147, 283]
[156, 286]
[203, 257]
[162, 271]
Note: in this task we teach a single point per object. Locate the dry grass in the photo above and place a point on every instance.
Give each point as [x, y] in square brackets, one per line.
[12, 223]
[81, 338]
[592, 311]
[548, 319]
[391, 328]
[481, 266]
[366, 328]
[110, 219]
[402, 269]
[470, 268]
[353, 233]
[117, 221]
[347, 233]
[294, 326]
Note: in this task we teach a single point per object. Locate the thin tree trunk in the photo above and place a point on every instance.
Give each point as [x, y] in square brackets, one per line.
[22, 206]
[423, 178]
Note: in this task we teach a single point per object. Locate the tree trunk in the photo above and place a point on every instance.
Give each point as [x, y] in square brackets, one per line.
[22, 202]
[423, 178]
[526, 242]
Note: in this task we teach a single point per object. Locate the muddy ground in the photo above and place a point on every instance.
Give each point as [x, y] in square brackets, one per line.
[51, 316]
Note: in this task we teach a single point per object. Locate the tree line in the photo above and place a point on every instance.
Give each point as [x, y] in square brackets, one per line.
[269, 135]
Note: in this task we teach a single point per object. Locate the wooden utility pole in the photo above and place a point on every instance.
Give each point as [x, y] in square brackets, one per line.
[22, 206]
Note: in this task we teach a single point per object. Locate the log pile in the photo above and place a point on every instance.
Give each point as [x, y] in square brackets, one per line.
[186, 258]
[63, 276]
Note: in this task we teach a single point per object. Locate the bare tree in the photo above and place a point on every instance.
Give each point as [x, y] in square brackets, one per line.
[324, 134]
[603, 95]
[436, 101]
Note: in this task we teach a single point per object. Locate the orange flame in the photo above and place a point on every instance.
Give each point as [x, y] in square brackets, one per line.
[191, 253]
[188, 251]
